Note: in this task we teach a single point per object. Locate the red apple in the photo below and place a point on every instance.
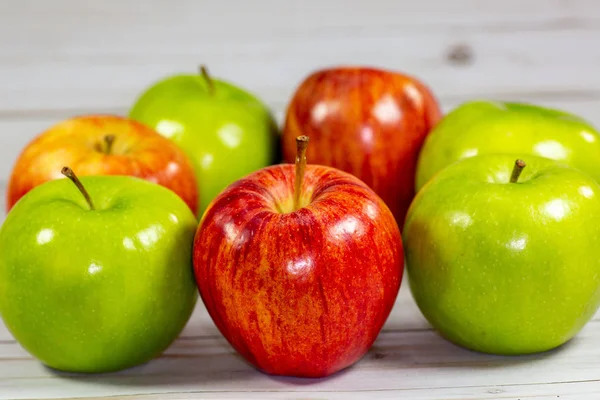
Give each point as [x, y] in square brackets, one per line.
[365, 121]
[299, 273]
[103, 145]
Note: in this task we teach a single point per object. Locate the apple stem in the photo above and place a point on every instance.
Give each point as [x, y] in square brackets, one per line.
[517, 169]
[301, 145]
[108, 143]
[208, 79]
[68, 172]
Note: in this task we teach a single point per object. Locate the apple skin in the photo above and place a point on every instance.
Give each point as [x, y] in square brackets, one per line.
[365, 121]
[78, 142]
[97, 291]
[487, 127]
[505, 268]
[302, 293]
[227, 133]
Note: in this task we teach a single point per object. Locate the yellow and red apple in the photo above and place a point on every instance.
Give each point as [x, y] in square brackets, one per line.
[103, 145]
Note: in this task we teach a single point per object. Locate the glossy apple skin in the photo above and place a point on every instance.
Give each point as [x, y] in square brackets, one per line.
[505, 268]
[368, 122]
[301, 293]
[97, 291]
[487, 127]
[227, 134]
[137, 151]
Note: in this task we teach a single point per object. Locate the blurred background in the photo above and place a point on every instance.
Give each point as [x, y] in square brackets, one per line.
[61, 58]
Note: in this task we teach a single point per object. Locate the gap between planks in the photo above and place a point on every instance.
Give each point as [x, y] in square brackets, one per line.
[562, 95]
[480, 391]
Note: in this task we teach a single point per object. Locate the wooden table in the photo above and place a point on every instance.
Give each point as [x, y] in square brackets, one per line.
[408, 360]
[66, 57]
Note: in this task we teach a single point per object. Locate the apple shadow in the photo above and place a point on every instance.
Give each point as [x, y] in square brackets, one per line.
[426, 348]
[294, 381]
[206, 361]
[210, 363]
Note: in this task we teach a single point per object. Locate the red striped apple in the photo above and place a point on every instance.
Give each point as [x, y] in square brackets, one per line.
[103, 145]
[365, 121]
[299, 267]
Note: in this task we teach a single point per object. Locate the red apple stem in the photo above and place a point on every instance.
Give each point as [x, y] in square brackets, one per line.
[517, 169]
[68, 172]
[108, 143]
[208, 79]
[301, 145]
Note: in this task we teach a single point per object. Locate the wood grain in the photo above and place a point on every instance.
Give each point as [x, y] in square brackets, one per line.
[17, 130]
[505, 63]
[556, 390]
[68, 57]
[407, 359]
[81, 55]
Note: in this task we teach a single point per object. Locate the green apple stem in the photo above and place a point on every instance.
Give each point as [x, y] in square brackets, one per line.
[301, 145]
[517, 169]
[68, 172]
[208, 79]
[108, 143]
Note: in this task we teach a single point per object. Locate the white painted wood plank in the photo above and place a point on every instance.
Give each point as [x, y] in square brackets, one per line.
[17, 131]
[562, 391]
[399, 361]
[504, 63]
[272, 18]
[76, 56]
[67, 57]
[407, 360]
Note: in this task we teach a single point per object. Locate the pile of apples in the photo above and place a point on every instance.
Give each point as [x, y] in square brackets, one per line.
[296, 241]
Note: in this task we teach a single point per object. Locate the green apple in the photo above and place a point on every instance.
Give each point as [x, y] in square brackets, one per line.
[504, 264]
[484, 127]
[97, 289]
[226, 131]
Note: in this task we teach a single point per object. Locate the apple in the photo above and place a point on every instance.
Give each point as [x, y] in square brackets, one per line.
[484, 127]
[299, 267]
[365, 121]
[103, 145]
[101, 280]
[226, 131]
[501, 263]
